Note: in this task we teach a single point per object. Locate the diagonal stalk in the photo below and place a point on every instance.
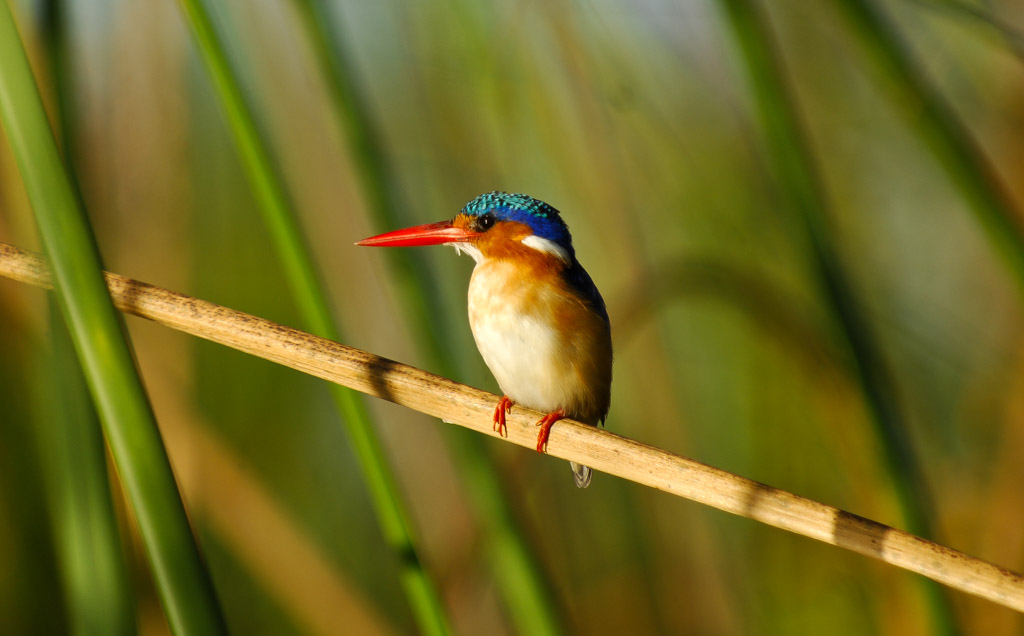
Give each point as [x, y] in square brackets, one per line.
[465, 406]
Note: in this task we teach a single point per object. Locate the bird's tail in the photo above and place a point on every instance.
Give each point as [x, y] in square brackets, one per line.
[581, 474]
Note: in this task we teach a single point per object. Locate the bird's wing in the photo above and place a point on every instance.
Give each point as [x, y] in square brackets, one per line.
[580, 282]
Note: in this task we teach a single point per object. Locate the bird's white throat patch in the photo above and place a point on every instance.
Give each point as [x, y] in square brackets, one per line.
[548, 246]
[472, 250]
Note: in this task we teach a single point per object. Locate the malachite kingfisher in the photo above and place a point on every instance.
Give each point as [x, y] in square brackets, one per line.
[537, 317]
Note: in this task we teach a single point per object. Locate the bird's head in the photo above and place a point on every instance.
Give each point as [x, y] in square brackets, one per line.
[494, 225]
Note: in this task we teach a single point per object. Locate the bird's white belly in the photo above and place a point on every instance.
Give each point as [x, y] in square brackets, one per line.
[519, 346]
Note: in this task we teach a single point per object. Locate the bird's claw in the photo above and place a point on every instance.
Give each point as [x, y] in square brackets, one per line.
[545, 424]
[504, 406]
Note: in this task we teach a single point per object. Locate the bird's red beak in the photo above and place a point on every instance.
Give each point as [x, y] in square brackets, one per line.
[430, 234]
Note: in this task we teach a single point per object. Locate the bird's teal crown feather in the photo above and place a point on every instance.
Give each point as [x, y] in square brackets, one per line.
[544, 220]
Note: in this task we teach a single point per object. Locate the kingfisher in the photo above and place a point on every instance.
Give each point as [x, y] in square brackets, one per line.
[537, 318]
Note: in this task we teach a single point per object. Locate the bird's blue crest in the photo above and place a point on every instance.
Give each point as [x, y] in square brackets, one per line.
[544, 220]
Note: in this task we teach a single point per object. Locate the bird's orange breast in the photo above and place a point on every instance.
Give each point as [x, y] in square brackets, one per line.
[548, 347]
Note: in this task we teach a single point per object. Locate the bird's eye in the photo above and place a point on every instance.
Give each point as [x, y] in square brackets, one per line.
[485, 222]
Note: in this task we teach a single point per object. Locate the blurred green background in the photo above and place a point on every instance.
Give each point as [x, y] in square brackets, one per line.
[637, 120]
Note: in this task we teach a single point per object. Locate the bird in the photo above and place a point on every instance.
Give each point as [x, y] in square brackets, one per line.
[538, 320]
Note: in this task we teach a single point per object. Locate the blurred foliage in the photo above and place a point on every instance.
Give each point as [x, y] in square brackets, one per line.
[634, 119]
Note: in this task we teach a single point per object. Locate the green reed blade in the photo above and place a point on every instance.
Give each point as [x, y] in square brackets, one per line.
[524, 587]
[129, 424]
[797, 173]
[948, 138]
[304, 281]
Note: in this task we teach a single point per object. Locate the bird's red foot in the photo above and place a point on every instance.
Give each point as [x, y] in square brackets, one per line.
[504, 406]
[545, 428]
